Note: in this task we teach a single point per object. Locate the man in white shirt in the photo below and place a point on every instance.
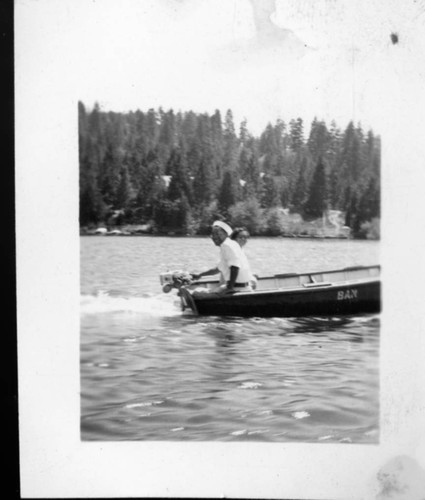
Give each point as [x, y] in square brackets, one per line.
[233, 267]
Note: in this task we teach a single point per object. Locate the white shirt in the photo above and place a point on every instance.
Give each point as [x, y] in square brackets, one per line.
[246, 265]
[231, 255]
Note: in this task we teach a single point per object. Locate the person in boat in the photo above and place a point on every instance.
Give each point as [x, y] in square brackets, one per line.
[241, 236]
[233, 267]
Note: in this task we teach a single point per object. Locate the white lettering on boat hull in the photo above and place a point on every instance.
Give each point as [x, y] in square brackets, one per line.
[347, 294]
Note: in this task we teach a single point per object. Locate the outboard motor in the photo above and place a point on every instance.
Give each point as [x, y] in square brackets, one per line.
[174, 279]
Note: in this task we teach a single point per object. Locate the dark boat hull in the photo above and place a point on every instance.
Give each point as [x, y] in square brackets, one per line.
[333, 300]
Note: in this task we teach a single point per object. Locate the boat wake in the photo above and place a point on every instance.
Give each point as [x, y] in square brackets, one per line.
[152, 305]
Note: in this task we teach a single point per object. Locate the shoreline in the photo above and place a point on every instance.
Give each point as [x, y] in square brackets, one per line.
[171, 234]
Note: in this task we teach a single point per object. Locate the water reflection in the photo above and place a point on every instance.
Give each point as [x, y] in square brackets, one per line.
[226, 333]
[318, 325]
[230, 331]
[226, 340]
[353, 328]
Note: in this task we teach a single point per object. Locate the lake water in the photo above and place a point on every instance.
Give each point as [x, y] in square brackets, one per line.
[151, 372]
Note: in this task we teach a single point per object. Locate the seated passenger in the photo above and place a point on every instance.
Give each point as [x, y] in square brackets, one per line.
[241, 235]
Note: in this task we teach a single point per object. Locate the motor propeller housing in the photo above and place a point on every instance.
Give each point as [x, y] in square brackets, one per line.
[174, 279]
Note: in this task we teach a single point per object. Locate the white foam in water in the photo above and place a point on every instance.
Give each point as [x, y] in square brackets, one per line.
[301, 414]
[239, 433]
[265, 412]
[138, 405]
[345, 440]
[141, 405]
[250, 385]
[324, 438]
[156, 305]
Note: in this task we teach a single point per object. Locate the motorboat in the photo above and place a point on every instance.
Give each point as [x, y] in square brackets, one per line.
[347, 291]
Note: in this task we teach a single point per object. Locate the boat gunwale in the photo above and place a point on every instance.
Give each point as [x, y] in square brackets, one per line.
[286, 291]
[313, 273]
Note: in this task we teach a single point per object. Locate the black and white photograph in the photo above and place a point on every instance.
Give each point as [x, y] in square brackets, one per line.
[218, 252]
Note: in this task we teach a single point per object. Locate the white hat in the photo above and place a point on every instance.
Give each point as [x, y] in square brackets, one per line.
[223, 225]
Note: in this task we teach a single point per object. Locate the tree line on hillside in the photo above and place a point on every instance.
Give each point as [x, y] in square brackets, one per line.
[180, 171]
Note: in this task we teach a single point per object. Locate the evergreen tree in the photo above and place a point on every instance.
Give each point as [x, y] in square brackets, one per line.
[351, 211]
[317, 200]
[109, 175]
[92, 209]
[215, 141]
[369, 204]
[151, 187]
[167, 130]
[243, 132]
[300, 193]
[351, 155]
[284, 192]
[372, 158]
[244, 158]
[230, 154]
[141, 141]
[124, 193]
[296, 134]
[269, 150]
[270, 192]
[334, 144]
[204, 163]
[83, 135]
[152, 129]
[250, 169]
[319, 140]
[95, 125]
[180, 184]
[333, 187]
[229, 192]
[203, 184]
[280, 135]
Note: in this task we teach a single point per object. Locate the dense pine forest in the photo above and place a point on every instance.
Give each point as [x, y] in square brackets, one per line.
[175, 172]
